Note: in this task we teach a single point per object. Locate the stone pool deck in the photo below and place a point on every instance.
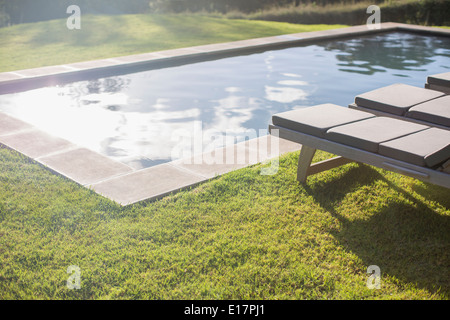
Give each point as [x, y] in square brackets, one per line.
[120, 182]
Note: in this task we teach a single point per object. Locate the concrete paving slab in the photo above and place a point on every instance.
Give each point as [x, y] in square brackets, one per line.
[178, 52]
[262, 41]
[238, 156]
[43, 71]
[288, 37]
[332, 33]
[219, 161]
[94, 64]
[139, 57]
[216, 47]
[10, 76]
[84, 166]
[146, 184]
[35, 143]
[9, 125]
[421, 29]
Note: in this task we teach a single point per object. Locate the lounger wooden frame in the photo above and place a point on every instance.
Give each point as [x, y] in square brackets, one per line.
[348, 154]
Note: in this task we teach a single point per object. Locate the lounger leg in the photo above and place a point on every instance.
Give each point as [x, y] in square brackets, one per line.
[304, 161]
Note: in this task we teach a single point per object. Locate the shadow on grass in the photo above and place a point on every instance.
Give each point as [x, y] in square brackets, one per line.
[407, 239]
[434, 193]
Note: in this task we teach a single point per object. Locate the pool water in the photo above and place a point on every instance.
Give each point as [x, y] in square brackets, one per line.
[141, 118]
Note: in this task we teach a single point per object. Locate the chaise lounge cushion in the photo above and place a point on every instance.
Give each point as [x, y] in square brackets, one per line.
[435, 111]
[368, 134]
[318, 119]
[440, 79]
[396, 99]
[429, 147]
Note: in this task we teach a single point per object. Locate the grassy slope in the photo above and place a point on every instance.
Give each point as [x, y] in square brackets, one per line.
[51, 43]
[241, 236]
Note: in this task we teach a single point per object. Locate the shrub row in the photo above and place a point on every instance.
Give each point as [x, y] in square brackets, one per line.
[424, 12]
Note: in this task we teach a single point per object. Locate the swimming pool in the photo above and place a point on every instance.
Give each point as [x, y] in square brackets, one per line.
[141, 118]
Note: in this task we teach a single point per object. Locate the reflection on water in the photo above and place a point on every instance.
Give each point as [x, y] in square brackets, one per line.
[369, 55]
[140, 118]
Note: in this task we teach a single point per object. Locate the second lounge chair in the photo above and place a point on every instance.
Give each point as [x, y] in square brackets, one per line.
[440, 82]
[401, 101]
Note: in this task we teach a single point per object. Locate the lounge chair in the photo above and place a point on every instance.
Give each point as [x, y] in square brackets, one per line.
[401, 101]
[404, 147]
[440, 82]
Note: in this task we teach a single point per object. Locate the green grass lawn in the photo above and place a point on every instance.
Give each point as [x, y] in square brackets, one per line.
[51, 43]
[239, 236]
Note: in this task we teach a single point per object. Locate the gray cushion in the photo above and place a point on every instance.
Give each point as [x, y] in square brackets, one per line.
[436, 111]
[318, 119]
[429, 147]
[396, 99]
[441, 79]
[368, 134]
